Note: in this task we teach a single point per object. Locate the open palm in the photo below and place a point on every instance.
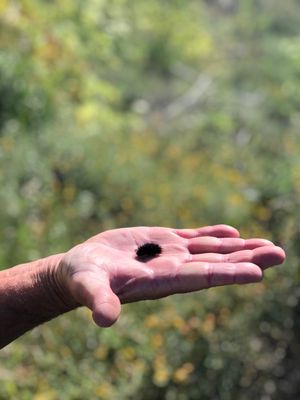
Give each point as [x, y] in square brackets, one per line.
[105, 271]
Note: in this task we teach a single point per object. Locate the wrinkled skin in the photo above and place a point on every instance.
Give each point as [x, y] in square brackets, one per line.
[104, 272]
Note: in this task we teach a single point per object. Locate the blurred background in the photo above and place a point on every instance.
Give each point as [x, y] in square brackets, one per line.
[119, 113]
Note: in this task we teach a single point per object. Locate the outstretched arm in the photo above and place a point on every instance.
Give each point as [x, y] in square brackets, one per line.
[127, 265]
[30, 295]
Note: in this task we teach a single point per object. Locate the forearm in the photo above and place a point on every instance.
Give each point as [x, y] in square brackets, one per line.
[30, 294]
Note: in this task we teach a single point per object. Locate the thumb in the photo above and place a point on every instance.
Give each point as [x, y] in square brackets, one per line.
[95, 292]
[106, 306]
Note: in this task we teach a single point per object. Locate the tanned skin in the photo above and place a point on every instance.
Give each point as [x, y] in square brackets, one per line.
[110, 269]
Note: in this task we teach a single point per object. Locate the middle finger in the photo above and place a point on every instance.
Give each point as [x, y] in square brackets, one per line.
[208, 244]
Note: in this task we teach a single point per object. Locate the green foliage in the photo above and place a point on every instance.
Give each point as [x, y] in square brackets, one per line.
[123, 113]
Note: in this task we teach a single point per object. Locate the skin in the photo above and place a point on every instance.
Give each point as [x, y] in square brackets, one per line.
[104, 272]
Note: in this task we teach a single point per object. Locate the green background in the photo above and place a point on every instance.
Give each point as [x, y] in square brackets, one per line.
[122, 113]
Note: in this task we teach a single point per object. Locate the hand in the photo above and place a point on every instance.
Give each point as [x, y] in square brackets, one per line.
[105, 271]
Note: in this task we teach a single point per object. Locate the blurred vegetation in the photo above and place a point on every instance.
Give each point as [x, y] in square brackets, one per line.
[122, 113]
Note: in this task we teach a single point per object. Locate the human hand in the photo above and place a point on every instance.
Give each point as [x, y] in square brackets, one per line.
[105, 271]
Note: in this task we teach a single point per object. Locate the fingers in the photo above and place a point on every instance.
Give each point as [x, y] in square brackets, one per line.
[216, 231]
[196, 276]
[207, 244]
[264, 257]
[267, 257]
[96, 293]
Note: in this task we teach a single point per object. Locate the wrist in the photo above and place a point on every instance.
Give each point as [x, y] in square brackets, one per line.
[54, 279]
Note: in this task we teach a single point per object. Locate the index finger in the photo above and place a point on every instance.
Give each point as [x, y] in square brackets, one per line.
[214, 230]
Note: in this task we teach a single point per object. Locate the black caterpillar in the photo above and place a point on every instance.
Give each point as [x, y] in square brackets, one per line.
[148, 250]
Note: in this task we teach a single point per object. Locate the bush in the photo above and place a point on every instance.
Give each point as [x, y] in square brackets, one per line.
[141, 113]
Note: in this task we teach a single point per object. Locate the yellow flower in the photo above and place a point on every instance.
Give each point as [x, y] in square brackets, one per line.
[209, 323]
[69, 192]
[3, 5]
[103, 391]
[151, 321]
[161, 376]
[263, 213]
[236, 199]
[101, 353]
[178, 322]
[128, 353]
[65, 351]
[182, 374]
[161, 371]
[127, 204]
[157, 340]
[45, 395]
